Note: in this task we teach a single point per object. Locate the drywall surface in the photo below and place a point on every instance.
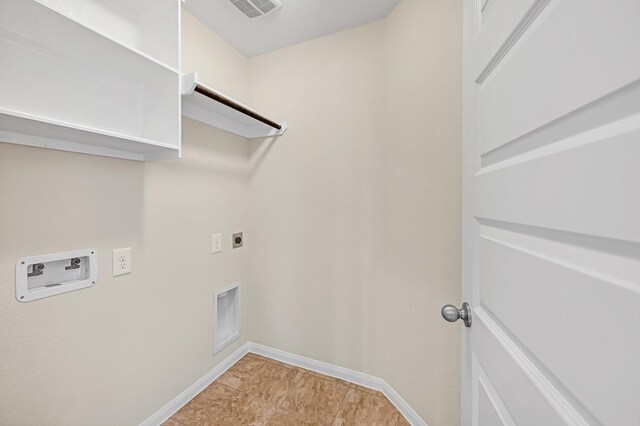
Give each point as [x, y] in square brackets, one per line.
[418, 269]
[217, 63]
[307, 200]
[115, 353]
[355, 212]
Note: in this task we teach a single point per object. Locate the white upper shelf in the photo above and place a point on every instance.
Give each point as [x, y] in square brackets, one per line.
[83, 76]
[26, 129]
[212, 107]
[37, 26]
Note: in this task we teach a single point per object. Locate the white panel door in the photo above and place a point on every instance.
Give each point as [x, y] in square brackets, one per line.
[551, 251]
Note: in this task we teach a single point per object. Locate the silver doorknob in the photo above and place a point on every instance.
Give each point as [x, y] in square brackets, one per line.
[453, 314]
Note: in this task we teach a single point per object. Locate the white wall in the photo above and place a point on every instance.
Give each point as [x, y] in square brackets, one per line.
[115, 353]
[421, 258]
[215, 61]
[355, 212]
[308, 207]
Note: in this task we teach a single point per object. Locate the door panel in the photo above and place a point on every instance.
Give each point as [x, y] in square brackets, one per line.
[486, 408]
[574, 182]
[551, 212]
[555, 279]
[500, 21]
[491, 409]
[566, 51]
[515, 385]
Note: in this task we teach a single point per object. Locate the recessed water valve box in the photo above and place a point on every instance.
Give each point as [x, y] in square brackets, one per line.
[52, 274]
[226, 317]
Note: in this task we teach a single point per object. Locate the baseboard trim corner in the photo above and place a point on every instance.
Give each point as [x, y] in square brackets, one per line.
[352, 376]
[405, 409]
[188, 394]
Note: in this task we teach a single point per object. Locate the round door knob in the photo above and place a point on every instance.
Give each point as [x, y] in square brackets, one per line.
[453, 314]
[450, 313]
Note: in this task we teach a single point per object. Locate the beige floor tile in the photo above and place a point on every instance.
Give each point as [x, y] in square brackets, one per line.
[240, 409]
[193, 414]
[215, 392]
[315, 398]
[240, 372]
[368, 390]
[256, 356]
[365, 409]
[290, 418]
[171, 422]
[272, 382]
[261, 391]
[402, 421]
[283, 364]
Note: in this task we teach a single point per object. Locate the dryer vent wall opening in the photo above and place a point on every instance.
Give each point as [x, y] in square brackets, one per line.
[255, 8]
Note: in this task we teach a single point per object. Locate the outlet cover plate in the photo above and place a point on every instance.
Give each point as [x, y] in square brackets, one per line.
[122, 262]
[216, 243]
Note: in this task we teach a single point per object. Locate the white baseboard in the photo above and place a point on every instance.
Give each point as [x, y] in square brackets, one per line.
[356, 377]
[352, 376]
[188, 394]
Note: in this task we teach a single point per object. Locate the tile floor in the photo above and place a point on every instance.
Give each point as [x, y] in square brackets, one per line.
[262, 391]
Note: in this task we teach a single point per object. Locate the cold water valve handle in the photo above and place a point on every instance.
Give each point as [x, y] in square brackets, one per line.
[38, 269]
[75, 264]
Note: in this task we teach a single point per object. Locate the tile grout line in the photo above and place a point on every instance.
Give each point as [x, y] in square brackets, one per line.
[235, 390]
[303, 373]
[279, 364]
[311, 373]
[340, 406]
[250, 377]
[283, 365]
[264, 361]
[317, 368]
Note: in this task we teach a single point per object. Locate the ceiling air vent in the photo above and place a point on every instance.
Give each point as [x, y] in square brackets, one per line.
[255, 8]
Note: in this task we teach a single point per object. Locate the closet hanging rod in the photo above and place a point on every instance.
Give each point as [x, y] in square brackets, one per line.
[238, 107]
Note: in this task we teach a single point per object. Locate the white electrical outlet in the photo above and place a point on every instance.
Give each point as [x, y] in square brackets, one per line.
[216, 243]
[122, 261]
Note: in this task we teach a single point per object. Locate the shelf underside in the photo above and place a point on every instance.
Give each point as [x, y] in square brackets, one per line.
[25, 129]
[202, 108]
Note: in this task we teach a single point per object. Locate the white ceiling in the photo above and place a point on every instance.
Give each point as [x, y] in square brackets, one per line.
[294, 22]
